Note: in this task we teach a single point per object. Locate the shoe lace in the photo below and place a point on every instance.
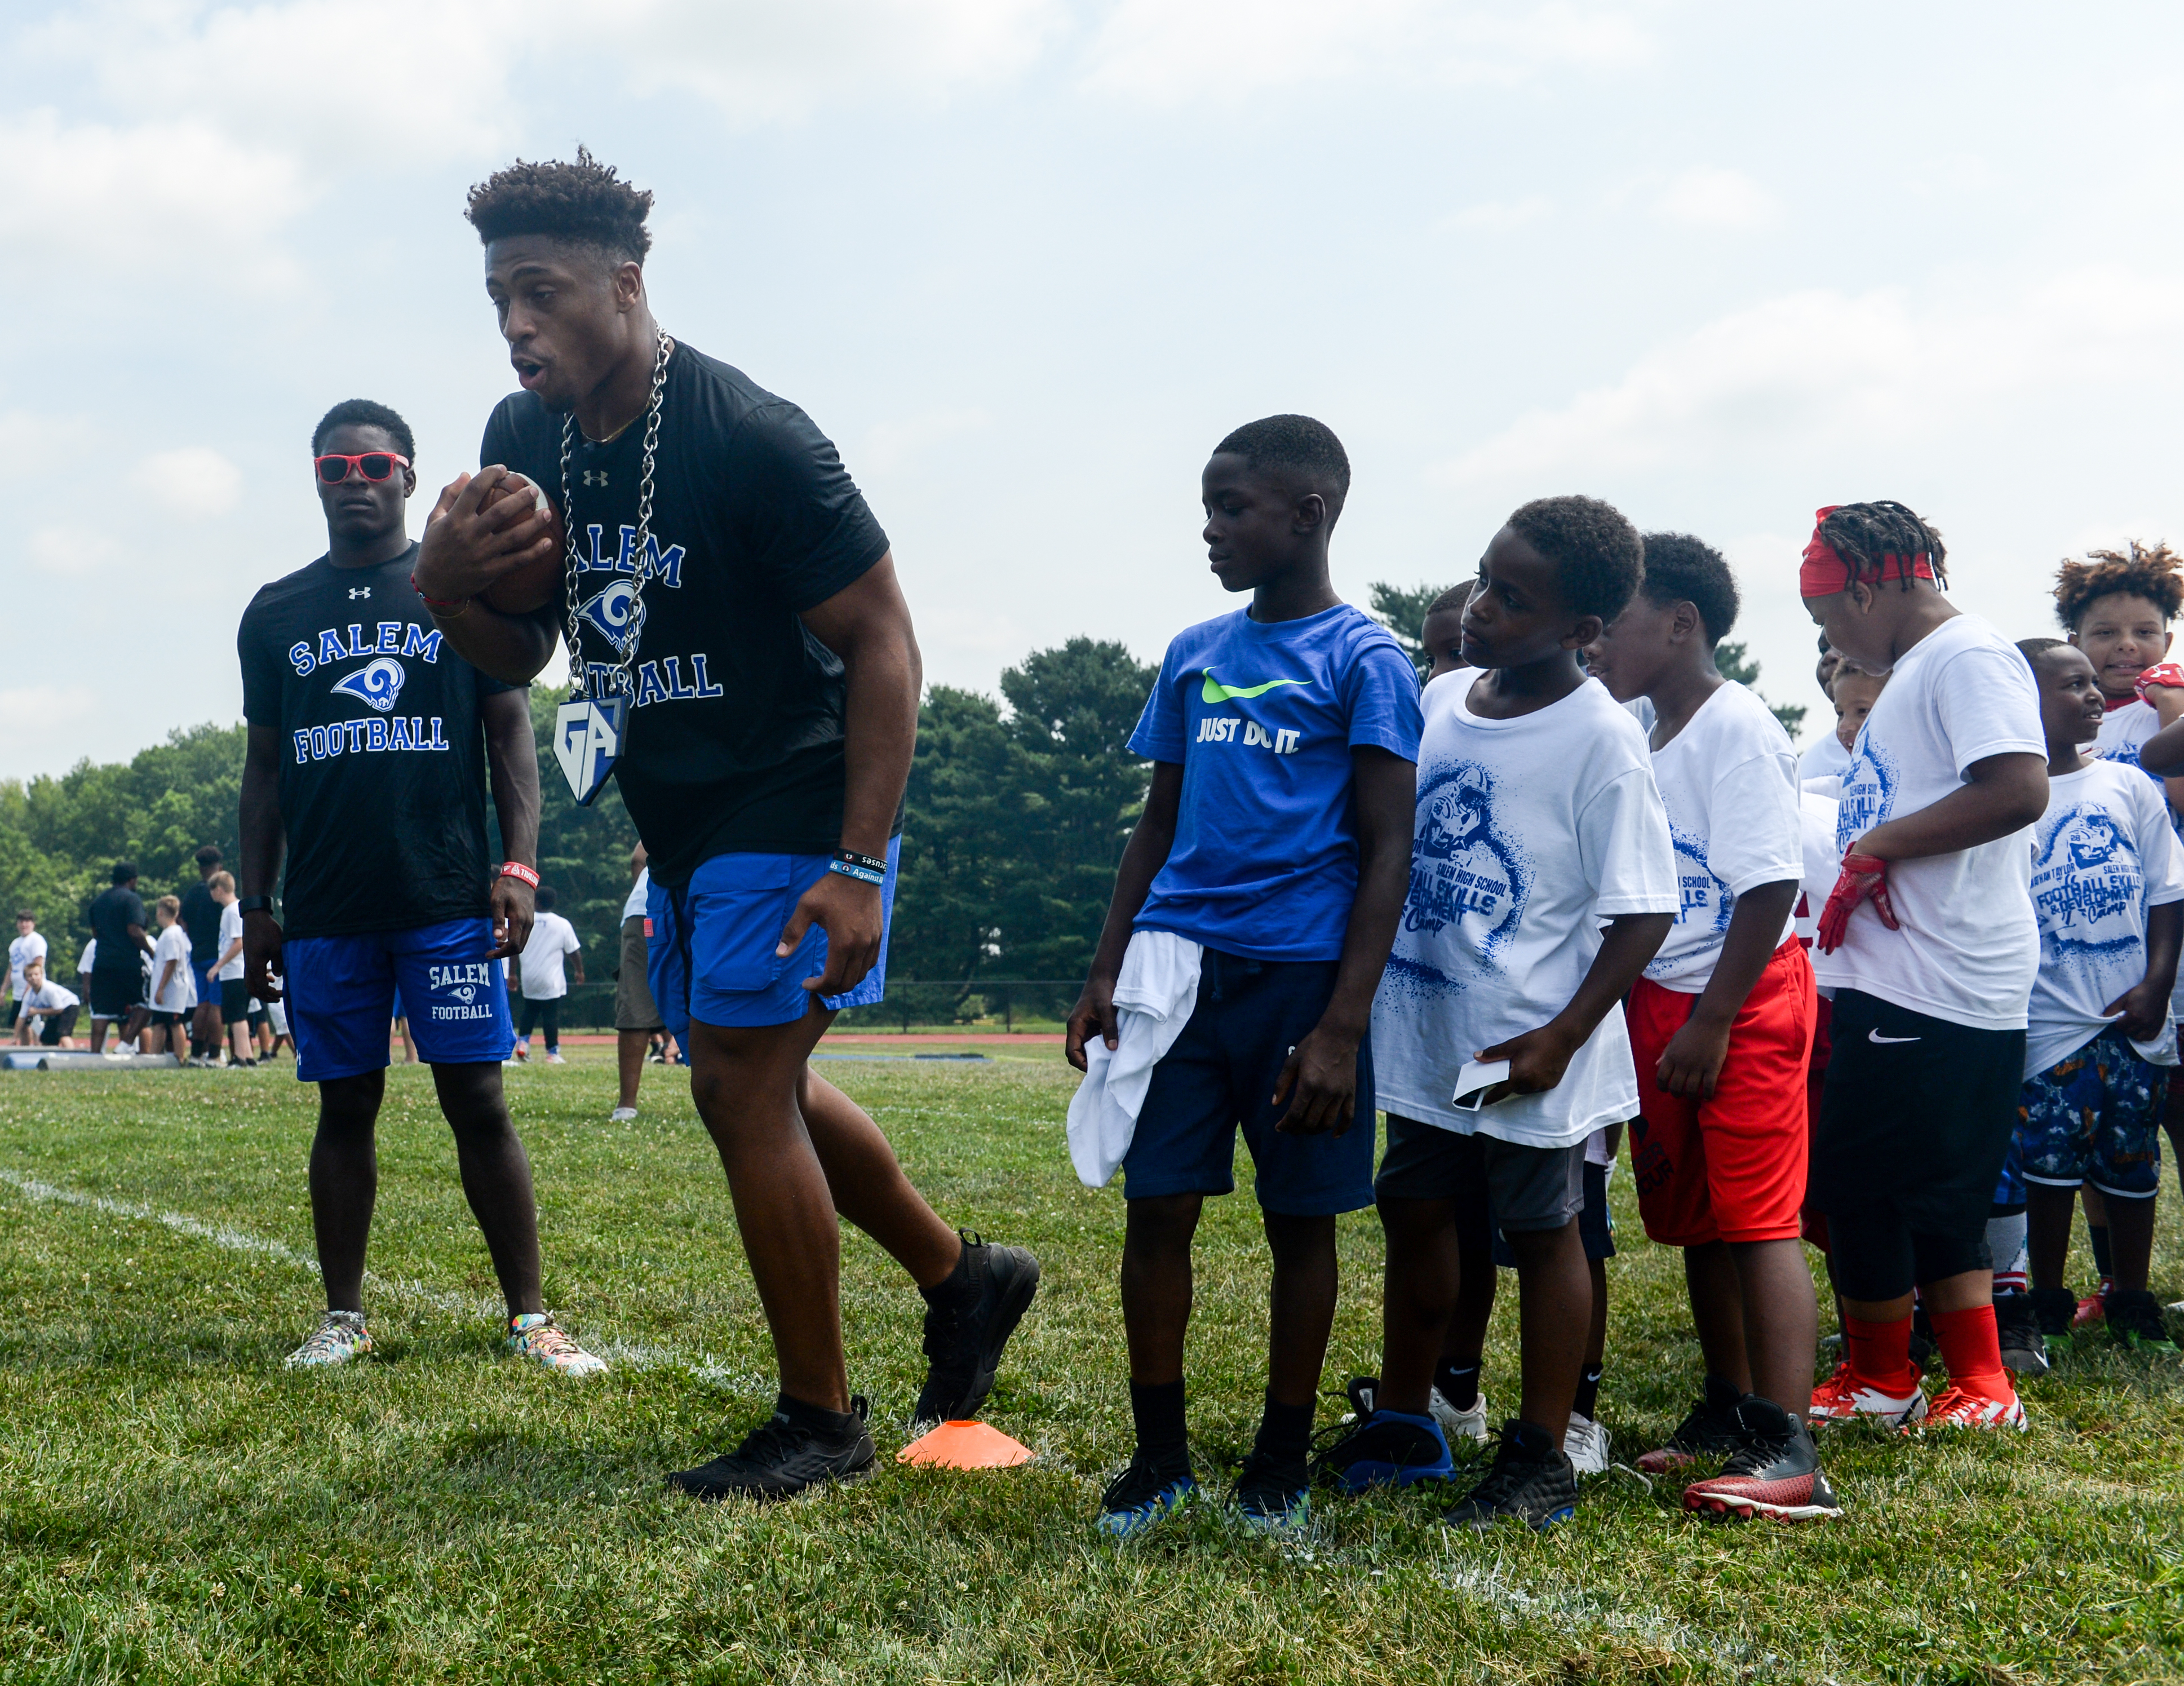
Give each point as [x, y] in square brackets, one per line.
[334, 1334]
[1139, 1483]
[1262, 1473]
[1504, 1478]
[548, 1340]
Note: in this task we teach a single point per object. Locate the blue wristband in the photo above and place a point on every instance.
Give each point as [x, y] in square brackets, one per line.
[862, 874]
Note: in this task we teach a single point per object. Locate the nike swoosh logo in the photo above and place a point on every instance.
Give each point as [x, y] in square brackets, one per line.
[1875, 1036]
[1215, 691]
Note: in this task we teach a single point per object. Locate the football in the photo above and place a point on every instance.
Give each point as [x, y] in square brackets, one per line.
[534, 584]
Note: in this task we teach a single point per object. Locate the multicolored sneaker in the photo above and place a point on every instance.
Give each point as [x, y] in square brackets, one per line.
[1775, 1473]
[1842, 1397]
[2135, 1320]
[1708, 1429]
[1954, 1408]
[537, 1337]
[1142, 1494]
[1584, 1443]
[1274, 1495]
[1387, 1449]
[339, 1338]
[1531, 1482]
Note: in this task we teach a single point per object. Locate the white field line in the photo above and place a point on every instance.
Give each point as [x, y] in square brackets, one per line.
[636, 1357]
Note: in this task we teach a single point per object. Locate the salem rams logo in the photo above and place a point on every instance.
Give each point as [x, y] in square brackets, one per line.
[376, 686]
[617, 615]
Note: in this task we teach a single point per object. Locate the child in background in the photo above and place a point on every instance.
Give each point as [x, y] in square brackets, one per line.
[545, 986]
[48, 1015]
[1721, 1027]
[174, 981]
[1929, 942]
[1854, 692]
[2117, 605]
[1441, 632]
[1827, 757]
[2108, 887]
[1542, 883]
[227, 970]
[1259, 891]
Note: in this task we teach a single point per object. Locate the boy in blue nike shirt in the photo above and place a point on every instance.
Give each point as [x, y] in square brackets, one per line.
[1263, 883]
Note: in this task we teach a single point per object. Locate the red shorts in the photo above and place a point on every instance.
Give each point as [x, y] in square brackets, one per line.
[1732, 1168]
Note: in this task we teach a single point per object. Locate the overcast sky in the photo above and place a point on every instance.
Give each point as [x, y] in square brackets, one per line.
[1026, 260]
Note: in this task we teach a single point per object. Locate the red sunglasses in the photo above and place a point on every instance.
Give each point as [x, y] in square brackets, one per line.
[372, 465]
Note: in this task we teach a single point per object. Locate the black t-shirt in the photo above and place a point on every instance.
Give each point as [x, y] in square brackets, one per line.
[112, 911]
[201, 919]
[735, 743]
[382, 758]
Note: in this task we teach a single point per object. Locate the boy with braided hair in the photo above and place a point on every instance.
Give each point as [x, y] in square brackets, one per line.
[1929, 944]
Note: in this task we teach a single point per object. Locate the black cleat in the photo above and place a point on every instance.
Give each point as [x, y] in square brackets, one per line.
[1709, 1429]
[1273, 1493]
[965, 1331]
[1775, 1473]
[2017, 1322]
[782, 1458]
[1531, 1482]
[2135, 1321]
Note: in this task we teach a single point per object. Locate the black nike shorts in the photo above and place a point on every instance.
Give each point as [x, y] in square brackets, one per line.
[1916, 1118]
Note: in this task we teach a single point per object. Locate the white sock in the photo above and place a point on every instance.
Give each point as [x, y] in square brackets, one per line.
[2005, 1240]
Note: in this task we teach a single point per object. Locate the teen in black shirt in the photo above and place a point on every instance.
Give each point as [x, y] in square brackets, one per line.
[117, 920]
[773, 689]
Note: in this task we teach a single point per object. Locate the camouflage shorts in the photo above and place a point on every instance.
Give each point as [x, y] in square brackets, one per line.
[2095, 1117]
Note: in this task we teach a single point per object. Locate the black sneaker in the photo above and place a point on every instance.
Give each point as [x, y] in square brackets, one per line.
[1775, 1473]
[1708, 1430]
[2024, 1352]
[2053, 1308]
[782, 1458]
[1144, 1492]
[1531, 1482]
[1923, 1351]
[964, 1336]
[1273, 1493]
[2135, 1321]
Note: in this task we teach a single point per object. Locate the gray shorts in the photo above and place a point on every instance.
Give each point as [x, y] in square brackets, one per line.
[1496, 1184]
[633, 1005]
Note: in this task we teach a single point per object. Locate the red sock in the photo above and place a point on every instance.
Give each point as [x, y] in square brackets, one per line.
[1880, 1355]
[1971, 1349]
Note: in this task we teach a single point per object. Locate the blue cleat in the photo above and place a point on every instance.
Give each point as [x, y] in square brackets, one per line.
[1274, 1495]
[1389, 1449]
[1141, 1495]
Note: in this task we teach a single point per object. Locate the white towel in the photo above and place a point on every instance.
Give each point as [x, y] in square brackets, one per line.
[1153, 996]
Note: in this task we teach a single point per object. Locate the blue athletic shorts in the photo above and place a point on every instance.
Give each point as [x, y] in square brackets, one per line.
[1220, 1076]
[2095, 1117]
[208, 984]
[341, 998]
[710, 954]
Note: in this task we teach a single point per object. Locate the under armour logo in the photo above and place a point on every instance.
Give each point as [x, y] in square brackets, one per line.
[595, 477]
[357, 591]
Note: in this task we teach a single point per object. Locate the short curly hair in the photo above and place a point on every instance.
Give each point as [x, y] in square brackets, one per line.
[1454, 597]
[1306, 447]
[2137, 570]
[1682, 569]
[1598, 557]
[585, 203]
[1862, 534]
[364, 412]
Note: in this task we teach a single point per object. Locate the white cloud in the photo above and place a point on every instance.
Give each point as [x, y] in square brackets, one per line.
[156, 196]
[1814, 369]
[1168, 51]
[194, 482]
[43, 710]
[759, 60]
[68, 551]
[1718, 198]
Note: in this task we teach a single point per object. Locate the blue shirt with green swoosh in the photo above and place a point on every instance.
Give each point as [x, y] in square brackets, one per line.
[1262, 719]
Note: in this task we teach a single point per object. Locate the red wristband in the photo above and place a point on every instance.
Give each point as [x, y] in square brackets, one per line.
[436, 602]
[517, 869]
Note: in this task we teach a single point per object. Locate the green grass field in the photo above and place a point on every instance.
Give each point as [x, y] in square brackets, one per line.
[175, 1506]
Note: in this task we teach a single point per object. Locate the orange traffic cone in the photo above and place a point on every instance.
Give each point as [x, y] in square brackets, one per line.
[965, 1446]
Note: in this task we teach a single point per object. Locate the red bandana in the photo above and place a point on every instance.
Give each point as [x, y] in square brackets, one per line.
[1824, 573]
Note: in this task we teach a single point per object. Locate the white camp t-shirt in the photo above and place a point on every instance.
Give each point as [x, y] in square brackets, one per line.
[180, 993]
[633, 908]
[231, 932]
[1528, 834]
[1968, 947]
[552, 937]
[2125, 728]
[1823, 758]
[1728, 783]
[90, 957]
[49, 997]
[2102, 854]
[1816, 824]
[21, 951]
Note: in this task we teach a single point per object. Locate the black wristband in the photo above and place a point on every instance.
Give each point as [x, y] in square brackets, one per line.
[850, 858]
[255, 904]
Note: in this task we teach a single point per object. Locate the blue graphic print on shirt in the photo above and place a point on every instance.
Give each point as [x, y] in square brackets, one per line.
[2088, 888]
[1869, 791]
[1463, 872]
[1703, 897]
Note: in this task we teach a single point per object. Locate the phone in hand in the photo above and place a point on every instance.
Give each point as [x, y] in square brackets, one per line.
[1481, 1085]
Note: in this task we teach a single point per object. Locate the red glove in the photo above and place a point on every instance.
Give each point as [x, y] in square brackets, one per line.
[2162, 674]
[1864, 878]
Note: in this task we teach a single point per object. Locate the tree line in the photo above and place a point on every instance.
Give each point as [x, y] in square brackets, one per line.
[1014, 821]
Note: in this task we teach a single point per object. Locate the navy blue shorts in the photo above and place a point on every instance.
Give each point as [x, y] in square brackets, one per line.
[208, 984]
[711, 958]
[1220, 1076]
[341, 997]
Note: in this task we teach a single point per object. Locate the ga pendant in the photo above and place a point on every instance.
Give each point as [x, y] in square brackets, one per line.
[587, 742]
